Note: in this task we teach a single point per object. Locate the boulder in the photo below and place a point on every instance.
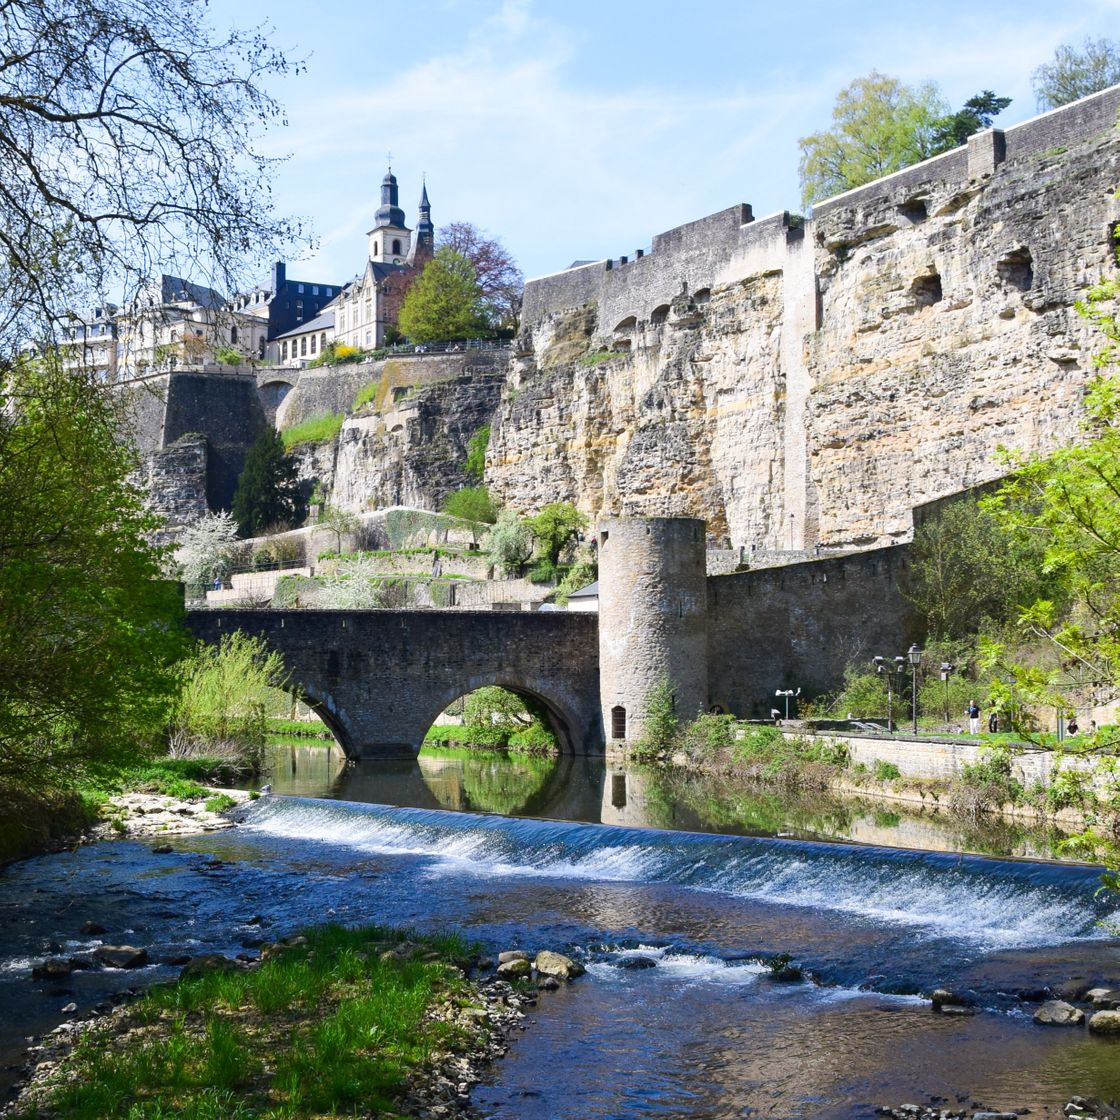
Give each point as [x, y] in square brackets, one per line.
[206, 963]
[1108, 999]
[120, 956]
[52, 968]
[512, 955]
[162, 849]
[1058, 1013]
[1105, 1022]
[558, 965]
[512, 970]
[635, 964]
[548, 984]
[943, 999]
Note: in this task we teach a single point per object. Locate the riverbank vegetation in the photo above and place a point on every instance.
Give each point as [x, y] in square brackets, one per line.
[495, 718]
[335, 1022]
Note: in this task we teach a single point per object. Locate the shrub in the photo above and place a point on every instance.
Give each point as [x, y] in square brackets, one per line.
[708, 735]
[886, 771]
[660, 726]
[477, 445]
[510, 543]
[208, 550]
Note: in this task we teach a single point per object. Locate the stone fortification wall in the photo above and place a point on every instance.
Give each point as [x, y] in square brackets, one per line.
[653, 619]
[798, 626]
[177, 484]
[803, 384]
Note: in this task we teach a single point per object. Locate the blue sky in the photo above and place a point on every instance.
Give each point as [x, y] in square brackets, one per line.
[578, 129]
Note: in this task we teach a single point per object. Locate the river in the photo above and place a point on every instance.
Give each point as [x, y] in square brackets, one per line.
[705, 1032]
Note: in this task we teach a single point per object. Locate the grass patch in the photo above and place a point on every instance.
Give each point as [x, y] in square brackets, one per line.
[316, 429]
[220, 802]
[299, 729]
[596, 357]
[336, 1026]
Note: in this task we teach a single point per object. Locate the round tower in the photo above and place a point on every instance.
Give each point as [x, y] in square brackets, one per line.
[653, 619]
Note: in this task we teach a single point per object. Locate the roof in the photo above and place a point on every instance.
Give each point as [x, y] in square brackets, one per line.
[319, 323]
[174, 289]
[591, 591]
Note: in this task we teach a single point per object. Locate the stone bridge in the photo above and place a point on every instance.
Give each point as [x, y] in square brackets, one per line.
[379, 678]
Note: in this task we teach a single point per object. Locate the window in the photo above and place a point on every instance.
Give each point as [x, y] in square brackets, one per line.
[299, 289]
[618, 722]
[314, 289]
[314, 342]
[303, 347]
[369, 337]
[326, 291]
[396, 245]
[233, 334]
[299, 309]
[283, 351]
[375, 248]
[323, 341]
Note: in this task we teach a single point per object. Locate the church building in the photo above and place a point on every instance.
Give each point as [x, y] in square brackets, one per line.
[371, 302]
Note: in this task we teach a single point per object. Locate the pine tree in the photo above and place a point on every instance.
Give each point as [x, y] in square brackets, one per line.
[268, 492]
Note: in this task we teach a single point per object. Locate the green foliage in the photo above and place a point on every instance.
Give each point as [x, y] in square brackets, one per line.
[660, 725]
[885, 771]
[707, 735]
[404, 526]
[220, 802]
[968, 568]
[879, 126]
[954, 130]
[779, 755]
[596, 357]
[556, 528]
[471, 503]
[477, 445]
[229, 356]
[1075, 72]
[222, 706]
[992, 775]
[315, 429]
[864, 694]
[365, 394]
[510, 543]
[268, 491]
[336, 354]
[579, 575]
[347, 1020]
[208, 550]
[339, 521]
[496, 718]
[88, 629]
[445, 301]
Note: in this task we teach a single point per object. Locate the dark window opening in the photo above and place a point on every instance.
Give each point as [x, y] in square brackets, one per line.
[914, 209]
[1017, 269]
[927, 290]
[618, 722]
[660, 314]
[233, 334]
[627, 324]
[618, 791]
[702, 296]
[396, 246]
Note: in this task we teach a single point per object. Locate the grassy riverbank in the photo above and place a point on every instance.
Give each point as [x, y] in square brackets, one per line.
[336, 1022]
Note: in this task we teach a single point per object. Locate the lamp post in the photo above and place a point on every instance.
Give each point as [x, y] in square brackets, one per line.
[885, 667]
[946, 669]
[787, 693]
[915, 656]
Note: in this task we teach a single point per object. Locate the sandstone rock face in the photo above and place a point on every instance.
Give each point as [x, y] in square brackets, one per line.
[801, 383]
[411, 452]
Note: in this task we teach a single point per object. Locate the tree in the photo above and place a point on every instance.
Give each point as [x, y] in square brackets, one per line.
[128, 148]
[477, 445]
[339, 521]
[471, 503]
[879, 126]
[978, 112]
[967, 570]
[208, 550]
[1075, 72]
[556, 527]
[267, 493]
[88, 629]
[510, 543]
[445, 301]
[500, 281]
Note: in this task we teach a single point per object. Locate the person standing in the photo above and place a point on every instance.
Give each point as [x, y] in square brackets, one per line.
[973, 718]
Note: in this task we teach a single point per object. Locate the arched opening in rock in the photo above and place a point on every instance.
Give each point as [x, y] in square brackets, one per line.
[627, 324]
[914, 209]
[272, 393]
[659, 315]
[702, 295]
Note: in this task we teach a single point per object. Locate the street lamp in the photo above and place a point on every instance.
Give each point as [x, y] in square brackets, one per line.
[946, 669]
[884, 667]
[915, 656]
[787, 693]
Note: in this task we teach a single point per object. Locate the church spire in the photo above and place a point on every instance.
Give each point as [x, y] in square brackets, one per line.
[425, 231]
[389, 213]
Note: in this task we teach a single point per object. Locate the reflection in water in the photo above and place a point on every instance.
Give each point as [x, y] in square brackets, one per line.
[588, 788]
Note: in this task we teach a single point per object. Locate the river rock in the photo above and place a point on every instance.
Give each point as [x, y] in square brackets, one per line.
[1058, 1013]
[93, 928]
[120, 956]
[1105, 1022]
[635, 964]
[162, 849]
[514, 969]
[1108, 999]
[548, 984]
[207, 962]
[52, 968]
[558, 965]
[1072, 989]
[946, 1000]
[512, 955]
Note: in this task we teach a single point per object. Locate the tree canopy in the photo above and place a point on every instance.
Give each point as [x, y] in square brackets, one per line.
[445, 302]
[268, 492]
[1075, 72]
[879, 126]
[88, 629]
[128, 148]
[556, 527]
[500, 282]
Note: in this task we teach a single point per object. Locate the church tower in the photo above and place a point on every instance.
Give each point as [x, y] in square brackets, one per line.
[425, 246]
[390, 240]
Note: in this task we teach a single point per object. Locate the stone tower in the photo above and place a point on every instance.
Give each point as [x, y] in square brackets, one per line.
[390, 240]
[653, 619]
